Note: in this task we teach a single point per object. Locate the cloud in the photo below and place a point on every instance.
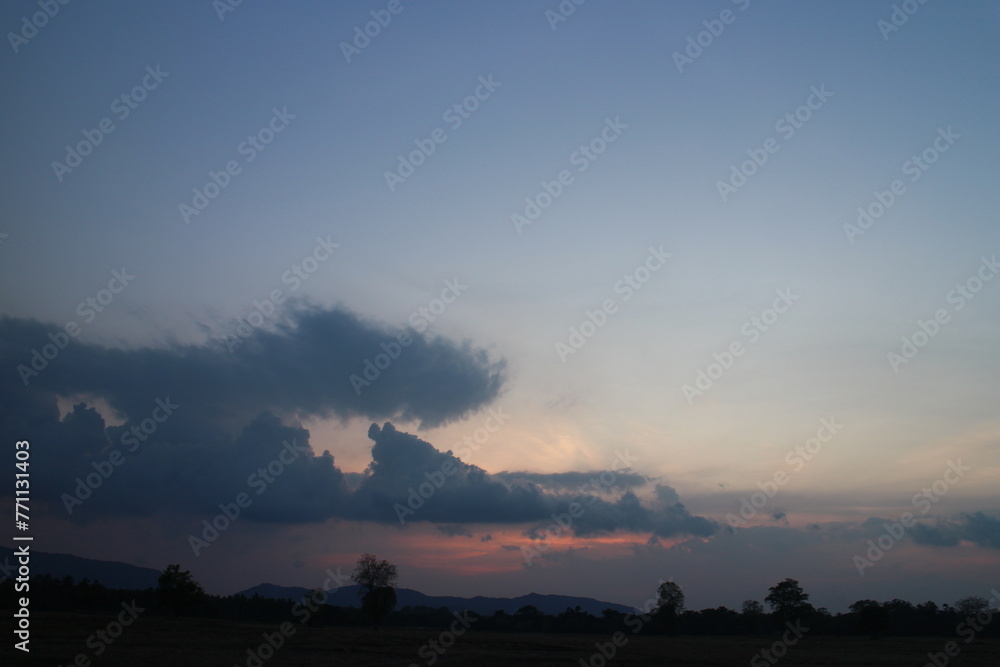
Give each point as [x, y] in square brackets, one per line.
[936, 536]
[454, 530]
[666, 494]
[580, 481]
[976, 527]
[300, 366]
[982, 529]
[203, 425]
[651, 545]
[413, 480]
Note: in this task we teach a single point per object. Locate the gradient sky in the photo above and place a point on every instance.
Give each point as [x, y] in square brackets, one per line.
[887, 96]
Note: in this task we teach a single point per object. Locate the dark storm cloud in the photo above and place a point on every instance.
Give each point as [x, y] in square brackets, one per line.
[203, 425]
[413, 481]
[201, 422]
[301, 366]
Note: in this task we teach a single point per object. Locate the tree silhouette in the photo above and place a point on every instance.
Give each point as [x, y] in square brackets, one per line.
[178, 591]
[669, 604]
[670, 597]
[377, 580]
[973, 605]
[788, 601]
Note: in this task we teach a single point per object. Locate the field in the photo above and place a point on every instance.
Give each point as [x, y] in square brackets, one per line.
[57, 639]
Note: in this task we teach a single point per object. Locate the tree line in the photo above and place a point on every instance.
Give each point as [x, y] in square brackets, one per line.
[178, 594]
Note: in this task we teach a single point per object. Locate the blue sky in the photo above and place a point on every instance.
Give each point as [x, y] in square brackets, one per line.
[887, 97]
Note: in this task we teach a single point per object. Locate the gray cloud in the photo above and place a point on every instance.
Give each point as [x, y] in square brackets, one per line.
[935, 536]
[976, 527]
[982, 529]
[300, 366]
[233, 427]
[227, 413]
[415, 472]
[453, 530]
[579, 481]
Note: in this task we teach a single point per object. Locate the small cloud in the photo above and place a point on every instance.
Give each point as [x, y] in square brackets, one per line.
[453, 530]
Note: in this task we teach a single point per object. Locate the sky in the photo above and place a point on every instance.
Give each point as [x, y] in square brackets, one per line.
[523, 296]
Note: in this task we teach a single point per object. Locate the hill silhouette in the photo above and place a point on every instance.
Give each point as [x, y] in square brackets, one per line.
[114, 574]
[347, 596]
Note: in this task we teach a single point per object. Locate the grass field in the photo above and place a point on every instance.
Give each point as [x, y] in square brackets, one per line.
[58, 638]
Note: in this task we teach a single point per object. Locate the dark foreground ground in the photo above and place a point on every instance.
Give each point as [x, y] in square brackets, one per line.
[58, 639]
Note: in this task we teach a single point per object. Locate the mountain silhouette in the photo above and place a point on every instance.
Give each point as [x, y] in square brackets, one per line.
[347, 596]
[114, 574]
[111, 574]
